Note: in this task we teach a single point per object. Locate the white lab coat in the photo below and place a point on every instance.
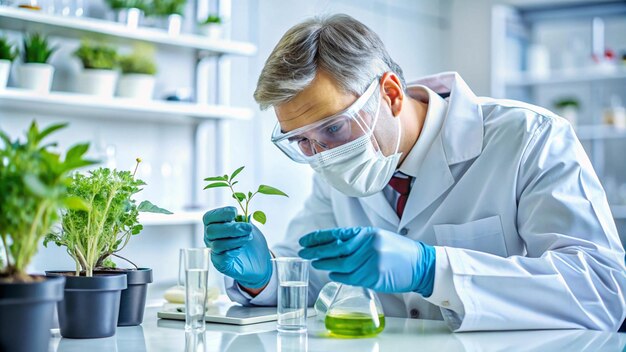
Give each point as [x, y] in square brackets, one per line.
[507, 193]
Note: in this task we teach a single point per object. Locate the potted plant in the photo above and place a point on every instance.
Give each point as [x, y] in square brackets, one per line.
[138, 71]
[98, 76]
[91, 307]
[568, 108]
[128, 12]
[35, 73]
[33, 188]
[243, 199]
[167, 14]
[8, 53]
[211, 27]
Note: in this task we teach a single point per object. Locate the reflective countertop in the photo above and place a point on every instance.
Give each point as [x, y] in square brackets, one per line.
[156, 335]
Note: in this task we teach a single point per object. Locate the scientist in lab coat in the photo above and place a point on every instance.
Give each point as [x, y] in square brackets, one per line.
[483, 212]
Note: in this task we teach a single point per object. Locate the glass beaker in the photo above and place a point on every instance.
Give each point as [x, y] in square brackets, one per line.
[196, 277]
[293, 280]
[355, 312]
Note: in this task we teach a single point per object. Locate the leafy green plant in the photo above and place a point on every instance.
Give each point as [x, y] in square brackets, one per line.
[141, 61]
[212, 19]
[7, 50]
[37, 49]
[33, 188]
[97, 56]
[110, 218]
[167, 7]
[127, 4]
[243, 199]
[567, 102]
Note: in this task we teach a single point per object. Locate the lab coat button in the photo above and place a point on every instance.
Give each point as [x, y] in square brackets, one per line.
[414, 313]
[445, 304]
[404, 231]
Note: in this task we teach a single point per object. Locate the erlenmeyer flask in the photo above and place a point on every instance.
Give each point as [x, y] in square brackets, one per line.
[355, 312]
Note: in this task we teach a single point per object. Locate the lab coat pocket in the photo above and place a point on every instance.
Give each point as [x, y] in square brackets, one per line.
[484, 235]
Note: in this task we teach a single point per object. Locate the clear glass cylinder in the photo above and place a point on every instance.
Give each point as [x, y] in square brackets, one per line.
[355, 312]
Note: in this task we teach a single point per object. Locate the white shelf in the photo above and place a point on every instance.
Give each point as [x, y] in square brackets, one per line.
[572, 76]
[619, 211]
[64, 104]
[187, 217]
[34, 21]
[599, 132]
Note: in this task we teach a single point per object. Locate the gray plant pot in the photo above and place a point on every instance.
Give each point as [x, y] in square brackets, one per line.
[133, 299]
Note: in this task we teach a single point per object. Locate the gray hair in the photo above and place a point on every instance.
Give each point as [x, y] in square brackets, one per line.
[340, 45]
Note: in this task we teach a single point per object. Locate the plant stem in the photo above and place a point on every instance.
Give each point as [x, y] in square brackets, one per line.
[245, 211]
[119, 256]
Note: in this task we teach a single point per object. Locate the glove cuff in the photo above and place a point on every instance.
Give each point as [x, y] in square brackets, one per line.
[426, 270]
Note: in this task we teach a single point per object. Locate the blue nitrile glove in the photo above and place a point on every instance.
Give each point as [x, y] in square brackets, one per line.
[238, 249]
[373, 258]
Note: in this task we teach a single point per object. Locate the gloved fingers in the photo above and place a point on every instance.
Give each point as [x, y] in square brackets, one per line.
[222, 262]
[217, 231]
[362, 276]
[224, 214]
[319, 237]
[223, 245]
[335, 249]
[345, 264]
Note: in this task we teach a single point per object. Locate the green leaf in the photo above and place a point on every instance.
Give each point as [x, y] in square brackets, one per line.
[259, 216]
[216, 178]
[236, 173]
[35, 185]
[216, 185]
[50, 129]
[239, 196]
[75, 203]
[147, 207]
[265, 189]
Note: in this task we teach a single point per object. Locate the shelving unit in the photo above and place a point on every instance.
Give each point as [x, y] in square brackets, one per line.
[515, 28]
[72, 27]
[205, 114]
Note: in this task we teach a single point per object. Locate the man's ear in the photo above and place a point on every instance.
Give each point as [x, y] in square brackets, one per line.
[392, 92]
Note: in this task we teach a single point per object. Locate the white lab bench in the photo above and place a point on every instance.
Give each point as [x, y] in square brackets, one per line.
[400, 335]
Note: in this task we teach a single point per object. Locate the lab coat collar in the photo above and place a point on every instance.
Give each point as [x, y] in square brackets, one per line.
[462, 133]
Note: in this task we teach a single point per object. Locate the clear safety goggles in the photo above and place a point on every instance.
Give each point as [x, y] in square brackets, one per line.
[308, 144]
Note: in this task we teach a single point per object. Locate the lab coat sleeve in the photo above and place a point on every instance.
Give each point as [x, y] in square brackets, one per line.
[316, 214]
[573, 273]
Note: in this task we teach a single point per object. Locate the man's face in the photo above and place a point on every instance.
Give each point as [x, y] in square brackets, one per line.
[322, 98]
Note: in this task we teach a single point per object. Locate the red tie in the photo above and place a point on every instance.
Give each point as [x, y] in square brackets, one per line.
[402, 186]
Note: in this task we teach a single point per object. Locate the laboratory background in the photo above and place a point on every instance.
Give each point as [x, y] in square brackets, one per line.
[188, 113]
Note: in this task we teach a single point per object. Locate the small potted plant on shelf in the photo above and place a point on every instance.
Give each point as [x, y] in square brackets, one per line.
[211, 27]
[8, 53]
[98, 76]
[128, 12]
[94, 302]
[138, 74]
[568, 108]
[33, 188]
[167, 14]
[35, 73]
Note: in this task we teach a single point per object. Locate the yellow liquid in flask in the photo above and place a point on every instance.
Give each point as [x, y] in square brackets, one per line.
[354, 324]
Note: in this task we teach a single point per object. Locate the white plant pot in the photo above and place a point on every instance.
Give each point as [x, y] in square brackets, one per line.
[213, 31]
[96, 82]
[5, 69]
[37, 77]
[136, 86]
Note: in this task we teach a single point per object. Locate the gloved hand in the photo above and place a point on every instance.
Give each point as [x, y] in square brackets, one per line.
[238, 249]
[373, 258]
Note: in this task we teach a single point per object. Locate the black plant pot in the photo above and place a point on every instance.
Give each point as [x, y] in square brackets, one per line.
[91, 304]
[133, 302]
[26, 311]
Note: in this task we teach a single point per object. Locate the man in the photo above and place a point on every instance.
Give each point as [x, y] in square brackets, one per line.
[483, 212]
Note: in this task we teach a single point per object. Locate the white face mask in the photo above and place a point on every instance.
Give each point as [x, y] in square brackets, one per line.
[357, 169]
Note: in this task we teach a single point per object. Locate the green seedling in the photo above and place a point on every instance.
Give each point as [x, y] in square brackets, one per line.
[110, 218]
[140, 61]
[37, 50]
[212, 19]
[167, 7]
[243, 199]
[127, 4]
[97, 56]
[33, 189]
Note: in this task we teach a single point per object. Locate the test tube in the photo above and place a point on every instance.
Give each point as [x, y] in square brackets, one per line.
[293, 279]
[196, 278]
